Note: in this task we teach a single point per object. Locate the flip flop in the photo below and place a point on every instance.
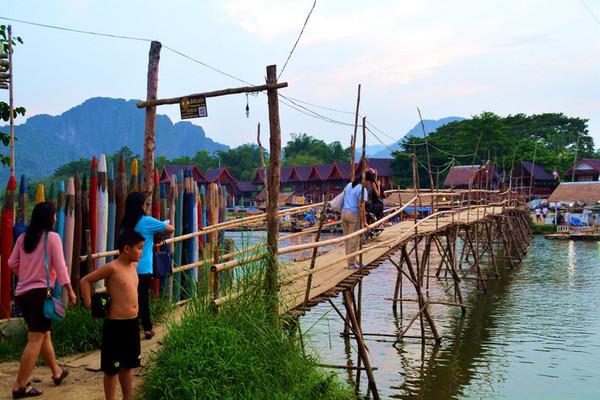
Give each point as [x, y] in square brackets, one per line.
[148, 335]
[22, 392]
[63, 375]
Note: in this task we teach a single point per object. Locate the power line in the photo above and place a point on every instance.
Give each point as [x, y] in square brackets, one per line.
[590, 11]
[61, 28]
[297, 40]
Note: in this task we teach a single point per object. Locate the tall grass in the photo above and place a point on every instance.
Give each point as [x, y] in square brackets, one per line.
[238, 352]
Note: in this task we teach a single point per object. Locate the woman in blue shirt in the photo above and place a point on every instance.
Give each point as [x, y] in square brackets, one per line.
[352, 218]
[137, 206]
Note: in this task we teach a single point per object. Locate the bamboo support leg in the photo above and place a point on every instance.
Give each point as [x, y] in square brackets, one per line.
[362, 348]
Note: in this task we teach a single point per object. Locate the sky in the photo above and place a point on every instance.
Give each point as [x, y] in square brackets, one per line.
[449, 58]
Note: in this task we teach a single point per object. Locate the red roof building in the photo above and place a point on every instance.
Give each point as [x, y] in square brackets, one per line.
[472, 177]
[586, 170]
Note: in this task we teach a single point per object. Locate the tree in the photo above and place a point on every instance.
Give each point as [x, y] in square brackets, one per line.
[499, 139]
[5, 107]
[241, 161]
[304, 149]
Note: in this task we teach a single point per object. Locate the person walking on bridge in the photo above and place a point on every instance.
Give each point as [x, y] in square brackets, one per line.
[355, 197]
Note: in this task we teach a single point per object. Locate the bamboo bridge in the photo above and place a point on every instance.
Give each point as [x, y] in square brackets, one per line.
[491, 225]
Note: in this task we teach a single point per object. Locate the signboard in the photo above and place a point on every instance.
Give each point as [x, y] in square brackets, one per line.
[193, 107]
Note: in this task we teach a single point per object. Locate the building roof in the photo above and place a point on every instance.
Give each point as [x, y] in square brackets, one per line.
[282, 198]
[221, 175]
[465, 175]
[540, 174]
[461, 175]
[245, 186]
[304, 172]
[170, 170]
[586, 192]
[383, 166]
[259, 177]
[585, 164]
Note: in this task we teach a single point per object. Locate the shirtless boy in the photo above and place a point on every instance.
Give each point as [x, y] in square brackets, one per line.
[120, 333]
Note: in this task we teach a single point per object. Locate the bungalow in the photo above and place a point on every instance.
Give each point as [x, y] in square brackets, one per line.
[586, 170]
[587, 193]
[543, 182]
[170, 170]
[246, 193]
[223, 177]
[472, 176]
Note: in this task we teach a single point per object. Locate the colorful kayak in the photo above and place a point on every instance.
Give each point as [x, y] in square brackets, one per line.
[101, 210]
[40, 195]
[60, 210]
[76, 264]
[133, 181]
[69, 229]
[93, 202]
[22, 220]
[6, 244]
[112, 210]
[85, 225]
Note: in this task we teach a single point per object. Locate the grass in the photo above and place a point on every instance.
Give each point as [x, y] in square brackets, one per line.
[540, 229]
[78, 332]
[240, 352]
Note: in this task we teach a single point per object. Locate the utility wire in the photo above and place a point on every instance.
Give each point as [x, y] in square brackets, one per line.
[590, 11]
[297, 40]
[61, 28]
[288, 101]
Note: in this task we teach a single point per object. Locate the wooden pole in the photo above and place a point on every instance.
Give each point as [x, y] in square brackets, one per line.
[315, 252]
[273, 183]
[361, 203]
[11, 103]
[426, 136]
[150, 132]
[353, 139]
[362, 347]
[532, 171]
[574, 158]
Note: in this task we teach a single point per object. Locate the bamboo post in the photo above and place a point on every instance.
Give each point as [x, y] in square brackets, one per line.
[315, 252]
[426, 136]
[361, 210]
[150, 132]
[362, 347]
[574, 158]
[531, 178]
[273, 183]
[11, 103]
[353, 139]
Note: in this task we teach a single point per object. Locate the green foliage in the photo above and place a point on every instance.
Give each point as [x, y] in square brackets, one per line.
[5, 107]
[500, 139]
[241, 161]
[237, 353]
[304, 149]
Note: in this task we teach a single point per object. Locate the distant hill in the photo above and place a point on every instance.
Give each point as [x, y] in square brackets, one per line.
[99, 125]
[431, 125]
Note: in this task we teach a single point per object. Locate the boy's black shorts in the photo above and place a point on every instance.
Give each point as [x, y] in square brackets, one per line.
[120, 345]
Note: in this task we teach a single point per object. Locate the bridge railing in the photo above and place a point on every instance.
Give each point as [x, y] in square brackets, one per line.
[456, 204]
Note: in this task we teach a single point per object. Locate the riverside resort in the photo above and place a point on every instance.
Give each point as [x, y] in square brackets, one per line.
[304, 199]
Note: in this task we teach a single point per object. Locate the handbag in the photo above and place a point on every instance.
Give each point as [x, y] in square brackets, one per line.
[338, 202]
[162, 262]
[54, 308]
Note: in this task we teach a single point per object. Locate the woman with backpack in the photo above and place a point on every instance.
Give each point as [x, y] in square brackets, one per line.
[38, 261]
[137, 206]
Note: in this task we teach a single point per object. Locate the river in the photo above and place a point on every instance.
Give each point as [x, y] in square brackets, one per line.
[534, 335]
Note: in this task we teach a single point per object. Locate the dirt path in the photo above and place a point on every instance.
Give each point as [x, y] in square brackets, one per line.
[84, 381]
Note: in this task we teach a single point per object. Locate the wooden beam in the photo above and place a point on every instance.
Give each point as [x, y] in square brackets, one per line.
[150, 132]
[273, 183]
[215, 93]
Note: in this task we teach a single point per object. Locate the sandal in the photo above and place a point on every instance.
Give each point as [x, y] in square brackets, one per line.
[63, 375]
[148, 334]
[22, 392]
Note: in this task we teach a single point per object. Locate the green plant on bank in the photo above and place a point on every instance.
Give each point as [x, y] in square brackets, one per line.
[78, 332]
[539, 229]
[236, 353]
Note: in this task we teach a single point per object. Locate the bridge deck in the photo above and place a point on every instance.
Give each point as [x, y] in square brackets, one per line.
[292, 294]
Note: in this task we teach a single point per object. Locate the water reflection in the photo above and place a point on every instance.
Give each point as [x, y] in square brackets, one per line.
[535, 335]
